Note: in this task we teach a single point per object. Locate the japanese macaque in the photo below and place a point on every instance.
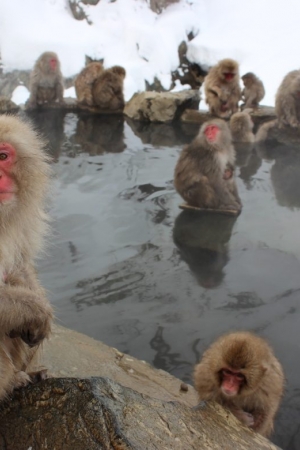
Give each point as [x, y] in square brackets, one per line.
[204, 174]
[241, 127]
[25, 313]
[46, 81]
[253, 91]
[287, 107]
[108, 89]
[219, 102]
[240, 371]
[223, 80]
[84, 82]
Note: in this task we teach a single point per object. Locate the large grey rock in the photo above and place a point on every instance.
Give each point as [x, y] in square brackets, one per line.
[161, 106]
[97, 413]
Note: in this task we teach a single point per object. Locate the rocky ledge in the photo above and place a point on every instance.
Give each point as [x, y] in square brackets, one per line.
[129, 405]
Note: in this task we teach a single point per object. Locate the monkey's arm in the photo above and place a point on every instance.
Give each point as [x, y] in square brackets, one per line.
[59, 91]
[24, 309]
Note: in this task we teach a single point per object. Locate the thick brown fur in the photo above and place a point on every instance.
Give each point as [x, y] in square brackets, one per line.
[46, 85]
[258, 399]
[84, 82]
[200, 171]
[215, 81]
[287, 106]
[108, 89]
[25, 313]
[253, 91]
[241, 127]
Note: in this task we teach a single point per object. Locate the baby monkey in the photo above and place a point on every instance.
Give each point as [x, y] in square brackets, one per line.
[239, 371]
[204, 173]
[253, 91]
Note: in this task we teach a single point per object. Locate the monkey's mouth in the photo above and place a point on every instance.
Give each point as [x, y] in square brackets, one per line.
[228, 76]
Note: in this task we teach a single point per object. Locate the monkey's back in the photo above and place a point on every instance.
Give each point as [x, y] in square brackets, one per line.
[108, 91]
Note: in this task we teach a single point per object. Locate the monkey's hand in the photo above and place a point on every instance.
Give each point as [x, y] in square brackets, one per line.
[243, 416]
[25, 314]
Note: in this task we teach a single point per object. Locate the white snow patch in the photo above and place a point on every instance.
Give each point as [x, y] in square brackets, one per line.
[20, 95]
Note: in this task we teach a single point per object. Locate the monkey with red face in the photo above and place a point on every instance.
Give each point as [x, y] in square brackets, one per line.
[204, 173]
[239, 371]
[25, 313]
[46, 81]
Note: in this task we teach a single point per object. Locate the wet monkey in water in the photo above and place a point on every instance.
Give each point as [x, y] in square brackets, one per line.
[46, 81]
[25, 313]
[239, 371]
[204, 173]
[241, 127]
[84, 82]
[223, 79]
[253, 91]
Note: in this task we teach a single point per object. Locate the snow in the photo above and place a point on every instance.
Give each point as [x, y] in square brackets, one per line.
[260, 35]
[20, 95]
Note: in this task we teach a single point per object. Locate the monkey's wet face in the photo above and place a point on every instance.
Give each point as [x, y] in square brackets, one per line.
[7, 160]
[212, 132]
[228, 76]
[231, 382]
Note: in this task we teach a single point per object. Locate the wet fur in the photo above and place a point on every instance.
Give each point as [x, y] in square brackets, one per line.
[199, 172]
[108, 89]
[84, 82]
[241, 127]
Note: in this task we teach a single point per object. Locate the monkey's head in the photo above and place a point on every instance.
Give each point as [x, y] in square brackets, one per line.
[49, 62]
[118, 70]
[228, 70]
[24, 169]
[216, 134]
[243, 364]
[241, 122]
[248, 79]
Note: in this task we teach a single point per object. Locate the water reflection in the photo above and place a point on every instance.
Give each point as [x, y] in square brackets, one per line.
[98, 134]
[285, 176]
[202, 241]
[249, 161]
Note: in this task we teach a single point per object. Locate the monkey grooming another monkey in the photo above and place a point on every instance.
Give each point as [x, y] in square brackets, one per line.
[287, 106]
[25, 313]
[241, 127]
[84, 82]
[240, 371]
[204, 173]
[107, 90]
[223, 76]
[46, 81]
[253, 91]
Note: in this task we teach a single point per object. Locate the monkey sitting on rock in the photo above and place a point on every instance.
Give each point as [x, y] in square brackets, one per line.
[204, 173]
[239, 371]
[46, 81]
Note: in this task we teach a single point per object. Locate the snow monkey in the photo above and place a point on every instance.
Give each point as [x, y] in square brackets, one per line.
[224, 75]
[25, 313]
[241, 127]
[204, 173]
[287, 106]
[240, 371]
[219, 102]
[46, 81]
[108, 89]
[84, 82]
[253, 91]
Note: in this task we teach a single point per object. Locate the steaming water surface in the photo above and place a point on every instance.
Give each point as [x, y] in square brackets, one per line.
[126, 266]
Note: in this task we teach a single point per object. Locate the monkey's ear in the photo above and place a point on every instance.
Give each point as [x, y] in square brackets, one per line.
[265, 368]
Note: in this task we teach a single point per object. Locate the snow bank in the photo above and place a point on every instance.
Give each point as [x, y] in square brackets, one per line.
[261, 35]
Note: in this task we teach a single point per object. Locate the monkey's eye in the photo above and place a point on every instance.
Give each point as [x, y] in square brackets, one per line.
[3, 156]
